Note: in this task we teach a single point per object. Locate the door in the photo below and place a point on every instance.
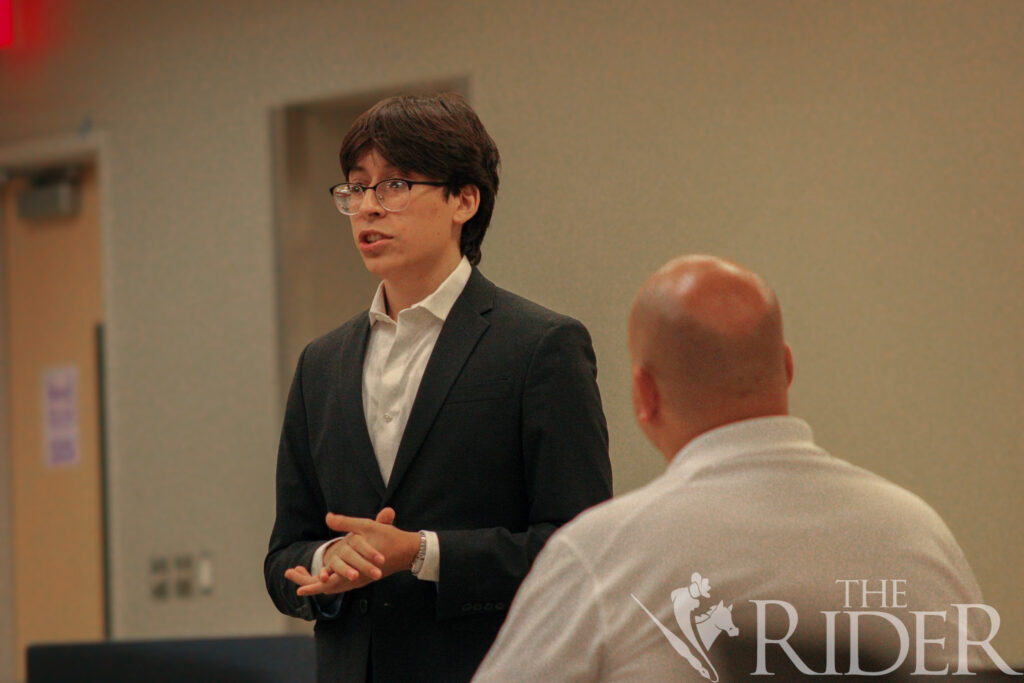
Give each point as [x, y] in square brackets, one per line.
[52, 269]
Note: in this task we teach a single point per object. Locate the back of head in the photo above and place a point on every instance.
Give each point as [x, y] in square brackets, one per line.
[439, 136]
[709, 333]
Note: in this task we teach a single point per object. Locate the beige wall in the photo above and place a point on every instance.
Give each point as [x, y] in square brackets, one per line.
[866, 157]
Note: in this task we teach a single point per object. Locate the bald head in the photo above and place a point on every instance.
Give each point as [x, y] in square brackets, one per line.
[708, 333]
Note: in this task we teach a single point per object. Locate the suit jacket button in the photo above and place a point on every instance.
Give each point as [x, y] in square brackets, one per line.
[477, 606]
[499, 605]
[488, 607]
[466, 607]
[364, 606]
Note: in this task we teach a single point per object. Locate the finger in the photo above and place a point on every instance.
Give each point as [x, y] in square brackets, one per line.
[335, 547]
[346, 523]
[349, 559]
[352, 566]
[334, 584]
[338, 549]
[298, 572]
[311, 589]
[299, 575]
[386, 516]
[340, 568]
[315, 589]
[366, 549]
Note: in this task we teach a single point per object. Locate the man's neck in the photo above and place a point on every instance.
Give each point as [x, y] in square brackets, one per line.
[401, 293]
[688, 430]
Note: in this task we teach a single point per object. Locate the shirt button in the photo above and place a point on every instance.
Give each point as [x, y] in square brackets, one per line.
[388, 417]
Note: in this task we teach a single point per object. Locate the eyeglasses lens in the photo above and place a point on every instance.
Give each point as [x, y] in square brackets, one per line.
[347, 198]
[393, 195]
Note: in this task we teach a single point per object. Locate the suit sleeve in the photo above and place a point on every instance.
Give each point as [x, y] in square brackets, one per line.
[299, 527]
[566, 470]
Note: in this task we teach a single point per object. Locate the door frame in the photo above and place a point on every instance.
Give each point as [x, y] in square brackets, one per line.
[92, 148]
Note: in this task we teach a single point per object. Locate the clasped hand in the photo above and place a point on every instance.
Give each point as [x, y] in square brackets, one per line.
[370, 550]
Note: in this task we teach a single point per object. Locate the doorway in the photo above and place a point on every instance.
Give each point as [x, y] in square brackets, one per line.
[55, 578]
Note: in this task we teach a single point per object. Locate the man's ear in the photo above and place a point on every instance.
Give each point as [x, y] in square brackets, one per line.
[468, 199]
[646, 400]
[789, 366]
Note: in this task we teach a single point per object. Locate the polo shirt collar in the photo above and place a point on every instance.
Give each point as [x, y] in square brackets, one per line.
[761, 434]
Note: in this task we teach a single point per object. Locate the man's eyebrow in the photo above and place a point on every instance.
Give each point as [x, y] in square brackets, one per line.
[388, 171]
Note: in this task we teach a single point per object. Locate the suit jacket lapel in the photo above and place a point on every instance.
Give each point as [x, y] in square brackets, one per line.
[350, 383]
[459, 335]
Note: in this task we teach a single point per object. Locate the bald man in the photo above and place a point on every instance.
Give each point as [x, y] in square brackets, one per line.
[756, 552]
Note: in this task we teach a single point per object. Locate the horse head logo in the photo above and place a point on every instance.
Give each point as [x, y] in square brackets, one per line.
[699, 629]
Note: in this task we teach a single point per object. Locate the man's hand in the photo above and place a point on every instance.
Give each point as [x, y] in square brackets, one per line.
[397, 548]
[371, 550]
[310, 585]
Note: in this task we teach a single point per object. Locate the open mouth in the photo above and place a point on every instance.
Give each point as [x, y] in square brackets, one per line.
[372, 236]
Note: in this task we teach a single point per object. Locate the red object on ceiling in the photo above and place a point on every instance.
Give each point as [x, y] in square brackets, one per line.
[6, 24]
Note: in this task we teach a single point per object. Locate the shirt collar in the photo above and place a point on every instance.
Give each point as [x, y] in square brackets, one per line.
[439, 303]
[759, 434]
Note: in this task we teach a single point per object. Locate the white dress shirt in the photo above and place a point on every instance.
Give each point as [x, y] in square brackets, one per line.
[396, 357]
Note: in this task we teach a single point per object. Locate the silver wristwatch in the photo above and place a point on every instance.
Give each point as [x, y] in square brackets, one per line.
[421, 556]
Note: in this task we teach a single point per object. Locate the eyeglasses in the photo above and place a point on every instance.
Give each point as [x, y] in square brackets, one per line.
[392, 193]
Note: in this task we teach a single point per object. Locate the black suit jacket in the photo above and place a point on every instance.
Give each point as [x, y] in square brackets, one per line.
[505, 442]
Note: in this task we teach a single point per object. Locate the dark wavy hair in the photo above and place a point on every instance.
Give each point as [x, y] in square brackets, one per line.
[439, 136]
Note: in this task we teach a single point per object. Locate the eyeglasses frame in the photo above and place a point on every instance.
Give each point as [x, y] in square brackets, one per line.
[410, 183]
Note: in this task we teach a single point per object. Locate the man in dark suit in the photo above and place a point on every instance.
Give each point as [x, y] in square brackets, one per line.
[432, 445]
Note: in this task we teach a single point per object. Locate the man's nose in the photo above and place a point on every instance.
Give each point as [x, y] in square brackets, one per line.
[370, 204]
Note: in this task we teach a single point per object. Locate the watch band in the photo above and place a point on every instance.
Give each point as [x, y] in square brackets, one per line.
[421, 556]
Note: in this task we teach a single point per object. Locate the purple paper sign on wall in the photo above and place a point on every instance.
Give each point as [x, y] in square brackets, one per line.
[60, 416]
